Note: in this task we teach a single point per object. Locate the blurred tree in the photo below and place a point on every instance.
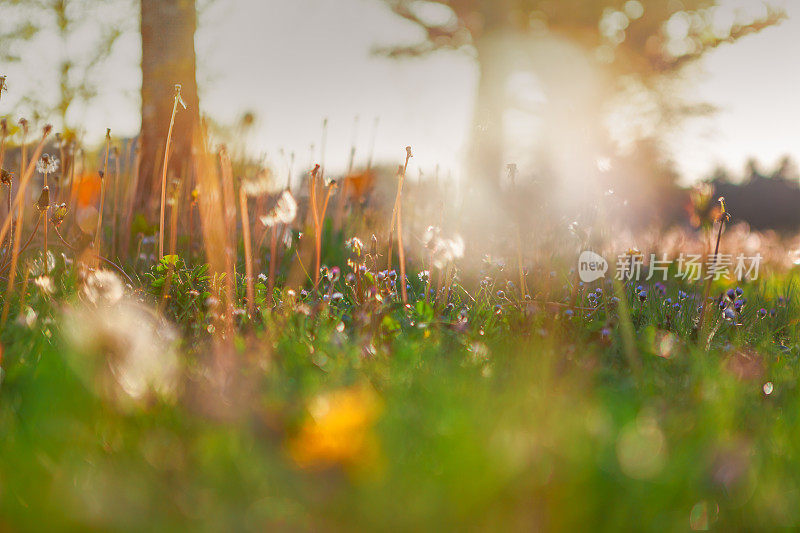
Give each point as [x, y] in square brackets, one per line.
[13, 31]
[168, 58]
[765, 200]
[76, 80]
[641, 40]
[83, 40]
[85, 32]
[787, 169]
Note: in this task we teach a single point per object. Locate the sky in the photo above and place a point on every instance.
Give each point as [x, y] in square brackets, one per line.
[755, 84]
[295, 63]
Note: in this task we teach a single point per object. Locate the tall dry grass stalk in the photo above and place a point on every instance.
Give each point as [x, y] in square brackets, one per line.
[5, 176]
[319, 207]
[26, 176]
[397, 220]
[174, 210]
[178, 100]
[229, 206]
[103, 178]
[248, 252]
[192, 209]
[43, 204]
[73, 192]
[341, 203]
[18, 205]
[273, 263]
[130, 199]
[312, 200]
[512, 174]
[115, 204]
[61, 154]
[216, 235]
[28, 242]
[724, 216]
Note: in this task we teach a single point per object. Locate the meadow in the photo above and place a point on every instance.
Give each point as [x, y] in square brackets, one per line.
[278, 352]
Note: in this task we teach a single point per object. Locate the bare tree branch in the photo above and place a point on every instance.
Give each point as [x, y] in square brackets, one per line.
[437, 37]
[774, 17]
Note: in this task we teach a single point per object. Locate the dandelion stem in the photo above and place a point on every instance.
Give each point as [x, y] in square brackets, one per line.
[18, 204]
[2, 158]
[164, 173]
[400, 250]
[61, 152]
[97, 242]
[12, 266]
[10, 214]
[522, 285]
[174, 210]
[321, 228]
[318, 215]
[46, 209]
[722, 218]
[273, 262]
[27, 242]
[115, 206]
[98, 256]
[248, 252]
[396, 208]
[428, 281]
[313, 200]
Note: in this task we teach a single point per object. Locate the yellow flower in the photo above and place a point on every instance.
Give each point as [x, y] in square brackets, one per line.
[338, 430]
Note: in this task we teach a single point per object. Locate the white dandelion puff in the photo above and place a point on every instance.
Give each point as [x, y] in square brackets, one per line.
[126, 353]
[103, 287]
[284, 212]
[447, 250]
[45, 284]
[47, 164]
[259, 184]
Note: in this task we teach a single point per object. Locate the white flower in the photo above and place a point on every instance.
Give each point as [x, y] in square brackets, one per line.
[125, 352]
[262, 183]
[45, 284]
[47, 164]
[355, 245]
[284, 211]
[38, 265]
[432, 233]
[447, 250]
[103, 287]
[27, 317]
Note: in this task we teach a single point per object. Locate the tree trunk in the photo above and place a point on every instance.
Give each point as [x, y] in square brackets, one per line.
[168, 58]
[487, 139]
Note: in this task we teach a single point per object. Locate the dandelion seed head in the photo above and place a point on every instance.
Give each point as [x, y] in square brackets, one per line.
[59, 213]
[47, 164]
[262, 182]
[447, 250]
[38, 268]
[355, 246]
[103, 288]
[45, 284]
[125, 353]
[284, 212]
[178, 97]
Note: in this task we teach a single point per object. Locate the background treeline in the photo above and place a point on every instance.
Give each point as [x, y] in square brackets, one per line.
[765, 199]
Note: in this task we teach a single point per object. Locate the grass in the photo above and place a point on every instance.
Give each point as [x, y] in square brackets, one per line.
[193, 391]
